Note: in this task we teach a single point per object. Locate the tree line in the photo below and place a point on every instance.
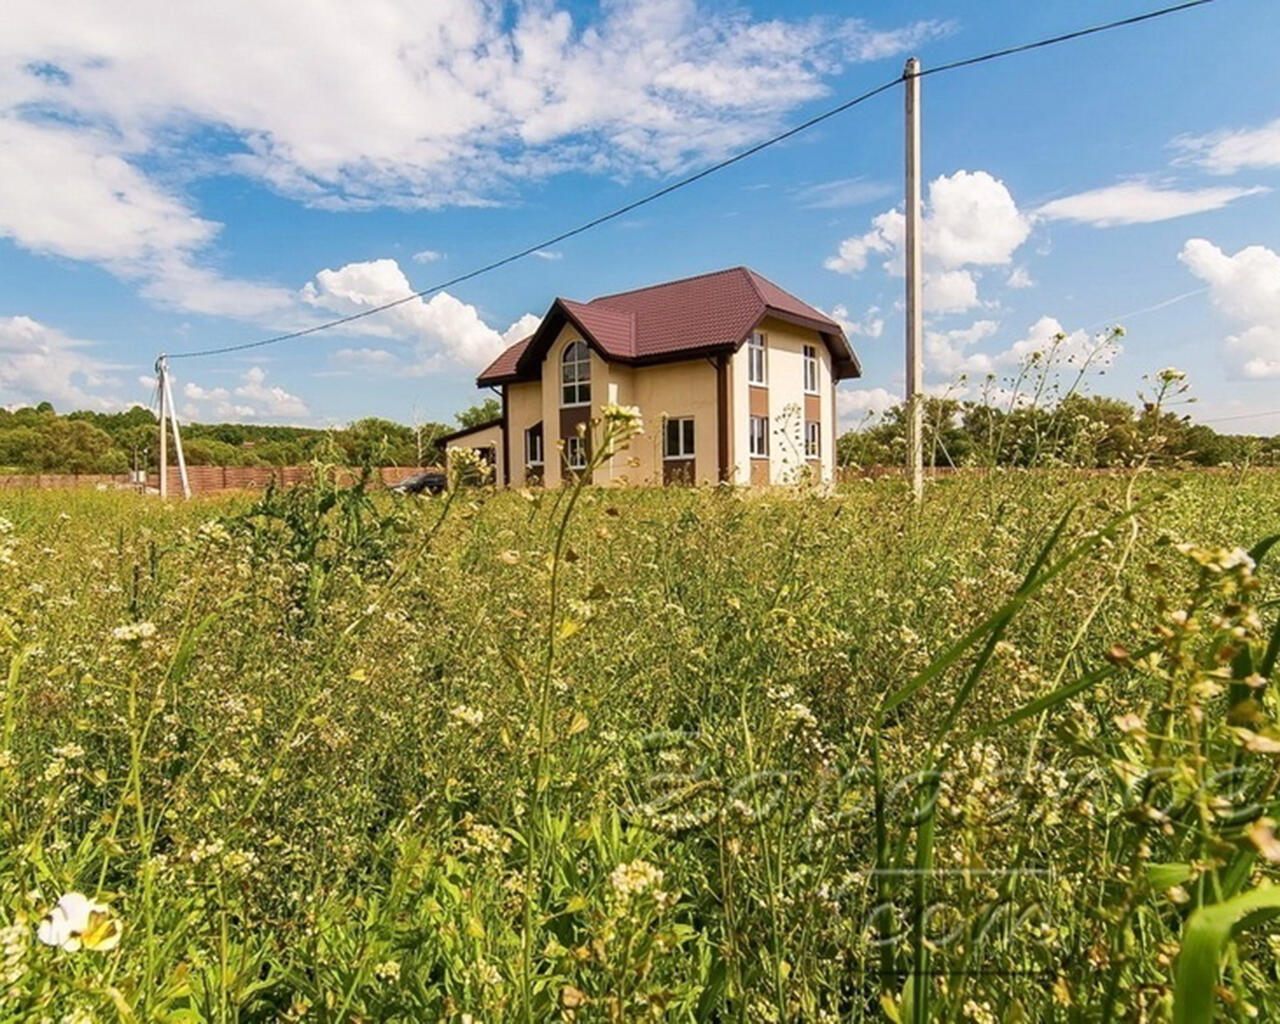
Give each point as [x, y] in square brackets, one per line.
[1082, 430]
[37, 439]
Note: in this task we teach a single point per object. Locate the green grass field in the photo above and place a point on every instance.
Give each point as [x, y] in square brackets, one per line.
[627, 755]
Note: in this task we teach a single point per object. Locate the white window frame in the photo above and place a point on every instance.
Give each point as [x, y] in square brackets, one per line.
[811, 374]
[581, 364]
[812, 439]
[758, 359]
[534, 433]
[575, 452]
[758, 431]
[684, 434]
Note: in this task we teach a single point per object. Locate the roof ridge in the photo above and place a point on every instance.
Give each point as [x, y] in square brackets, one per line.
[752, 277]
[598, 309]
[679, 280]
[756, 277]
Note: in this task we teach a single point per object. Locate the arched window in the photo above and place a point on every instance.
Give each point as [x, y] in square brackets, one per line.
[575, 374]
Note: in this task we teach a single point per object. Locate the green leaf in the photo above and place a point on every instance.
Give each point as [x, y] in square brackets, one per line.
[187, 647]
[1062, 693]
[1165, 876]
[1259, 551]
[1001, 616]
[999, 626]
[1204, 937]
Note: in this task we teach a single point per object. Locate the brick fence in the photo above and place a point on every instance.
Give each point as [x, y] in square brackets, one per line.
[203, 479]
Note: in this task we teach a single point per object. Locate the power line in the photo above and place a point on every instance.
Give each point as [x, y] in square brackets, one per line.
[686, 181]
[1122, 318]
[1240, 416]
[1067, 37]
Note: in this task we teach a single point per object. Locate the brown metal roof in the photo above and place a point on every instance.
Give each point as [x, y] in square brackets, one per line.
[504, 366]
[676, 320]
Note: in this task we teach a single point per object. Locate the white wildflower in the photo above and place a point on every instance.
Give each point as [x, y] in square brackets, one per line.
[467, 716]
[77, 922]
[13, 954]
[134, 631]
[634, 878]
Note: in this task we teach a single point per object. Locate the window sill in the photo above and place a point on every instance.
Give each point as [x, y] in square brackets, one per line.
[575, 405]
[815, 394]
[757, 384]
[759, 458]
[678, 458]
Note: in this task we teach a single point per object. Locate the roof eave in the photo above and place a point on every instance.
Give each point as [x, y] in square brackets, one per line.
[446, 438]
[497, 381]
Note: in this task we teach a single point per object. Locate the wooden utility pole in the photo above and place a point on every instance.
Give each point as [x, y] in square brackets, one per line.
[915, 284]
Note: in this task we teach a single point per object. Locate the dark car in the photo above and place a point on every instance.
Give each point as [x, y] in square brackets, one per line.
[433, 481]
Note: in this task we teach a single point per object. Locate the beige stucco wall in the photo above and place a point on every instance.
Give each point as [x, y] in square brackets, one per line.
[739, 418]
[550, 389]
[677, 390]
[785, 373]
[524, 409]
[490, 437]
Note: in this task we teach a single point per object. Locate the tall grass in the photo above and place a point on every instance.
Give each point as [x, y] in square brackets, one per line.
[618, 755]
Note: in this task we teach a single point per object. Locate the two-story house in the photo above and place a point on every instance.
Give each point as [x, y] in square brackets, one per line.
[734, 376]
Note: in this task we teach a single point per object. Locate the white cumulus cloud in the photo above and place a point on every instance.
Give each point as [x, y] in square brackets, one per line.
[395, 101]
[1068, 351]
[1245, 288]
[856, 404]
[106, 115]
[870, 326]
[268, 400]
[970, 351]
[443, 329]
[40, 363]
[251, 399]
[1019, 277]
[969, 220]
[950, 352]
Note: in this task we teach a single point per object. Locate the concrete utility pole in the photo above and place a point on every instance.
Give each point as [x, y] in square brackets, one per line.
[167, 408]
[164, 437]
[915, 282]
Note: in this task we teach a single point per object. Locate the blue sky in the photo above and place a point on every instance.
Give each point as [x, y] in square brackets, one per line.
[175, 179]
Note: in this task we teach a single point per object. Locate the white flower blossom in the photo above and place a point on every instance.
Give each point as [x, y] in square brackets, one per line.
[77, 922]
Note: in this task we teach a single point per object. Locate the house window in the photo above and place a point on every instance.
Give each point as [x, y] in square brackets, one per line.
[757, 362]
[575, 374]
[533, 445]
[810, 370]
[678, 440]
[575, 453]
[758, 443]
[812, 439]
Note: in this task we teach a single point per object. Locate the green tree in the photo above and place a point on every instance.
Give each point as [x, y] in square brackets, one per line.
[489, 409]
